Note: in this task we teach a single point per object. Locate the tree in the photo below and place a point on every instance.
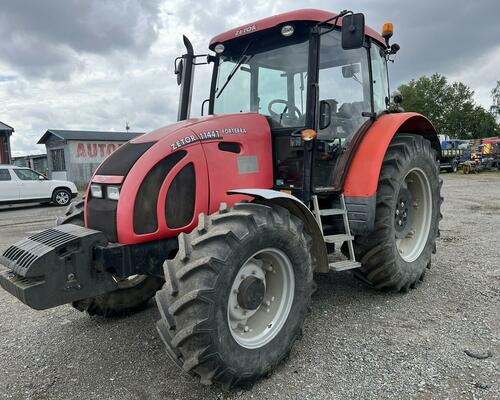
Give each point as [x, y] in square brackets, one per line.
[495, 95]
[450, 107]
[484, 123]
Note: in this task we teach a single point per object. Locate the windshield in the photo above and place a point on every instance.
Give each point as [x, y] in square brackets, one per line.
[268, 77]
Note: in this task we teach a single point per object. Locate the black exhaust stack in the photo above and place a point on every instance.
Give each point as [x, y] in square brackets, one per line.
[184, 69]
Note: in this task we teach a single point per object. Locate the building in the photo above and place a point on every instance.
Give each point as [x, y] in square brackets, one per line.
[5, 152]
[75, 155]
[37, 162]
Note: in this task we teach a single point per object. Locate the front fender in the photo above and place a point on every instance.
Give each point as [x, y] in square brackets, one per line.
[300, 210]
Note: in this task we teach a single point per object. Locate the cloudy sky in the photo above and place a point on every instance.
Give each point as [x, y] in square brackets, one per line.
[95, 64]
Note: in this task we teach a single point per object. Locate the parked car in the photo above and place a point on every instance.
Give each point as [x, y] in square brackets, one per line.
[23, 185]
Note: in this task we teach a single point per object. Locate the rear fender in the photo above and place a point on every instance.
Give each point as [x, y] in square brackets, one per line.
[300, 210]
[360, 186]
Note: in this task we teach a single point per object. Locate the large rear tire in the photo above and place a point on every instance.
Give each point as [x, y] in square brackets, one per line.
[396, 254]
[134, 292]
[236, 294]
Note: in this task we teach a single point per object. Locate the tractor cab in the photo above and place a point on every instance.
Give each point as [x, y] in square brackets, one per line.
[313, 75]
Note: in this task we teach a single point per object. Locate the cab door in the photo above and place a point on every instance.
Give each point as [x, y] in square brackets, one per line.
[344, 99]
[9, 186]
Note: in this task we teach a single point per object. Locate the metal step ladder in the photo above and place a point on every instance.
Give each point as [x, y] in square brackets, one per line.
[338, 239]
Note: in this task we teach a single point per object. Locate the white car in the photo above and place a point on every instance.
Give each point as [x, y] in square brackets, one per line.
[23, 185]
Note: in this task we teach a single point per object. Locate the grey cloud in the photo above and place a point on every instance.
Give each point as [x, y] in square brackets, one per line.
[44, 38]
[443, 36]
[209, 19]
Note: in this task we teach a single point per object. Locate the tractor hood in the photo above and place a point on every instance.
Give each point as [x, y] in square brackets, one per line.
[169, 176]
[210, 128]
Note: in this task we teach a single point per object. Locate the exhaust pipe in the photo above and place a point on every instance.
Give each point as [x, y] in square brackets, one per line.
[184, 69]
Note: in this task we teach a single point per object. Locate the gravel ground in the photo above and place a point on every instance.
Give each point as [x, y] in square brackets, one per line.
[357, 344]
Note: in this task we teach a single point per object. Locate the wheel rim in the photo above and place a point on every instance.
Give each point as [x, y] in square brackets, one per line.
[62, 198]
[267, 276]
[416, 190]
[129, 281]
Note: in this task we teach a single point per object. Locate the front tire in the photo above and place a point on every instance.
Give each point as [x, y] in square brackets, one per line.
[61, 197]
[396, 254]
[134, 292]
[236, 294]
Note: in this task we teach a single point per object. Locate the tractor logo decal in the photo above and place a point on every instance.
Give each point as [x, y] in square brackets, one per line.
[216, 134]
[245, 30]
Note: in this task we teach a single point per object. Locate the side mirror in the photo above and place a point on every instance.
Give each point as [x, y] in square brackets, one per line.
[348, 71]
[179, 66]
[353, 31]
[41, 178]
[325, 114]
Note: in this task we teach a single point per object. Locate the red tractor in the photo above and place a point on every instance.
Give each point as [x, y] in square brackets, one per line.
[301, 166]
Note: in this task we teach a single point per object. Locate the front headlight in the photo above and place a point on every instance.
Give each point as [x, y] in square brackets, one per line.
[113, 192]
[96, 191]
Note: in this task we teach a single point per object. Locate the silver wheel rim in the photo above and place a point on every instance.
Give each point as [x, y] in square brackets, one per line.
[411, 246]
[255, 328]
[62, 198]
[129, 281]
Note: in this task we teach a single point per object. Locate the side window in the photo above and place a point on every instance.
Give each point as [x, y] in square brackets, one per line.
[26, 174]
[379, 74]
[5, 175]
[58, 161]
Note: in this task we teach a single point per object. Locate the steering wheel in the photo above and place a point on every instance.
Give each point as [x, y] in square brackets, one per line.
[290, 110]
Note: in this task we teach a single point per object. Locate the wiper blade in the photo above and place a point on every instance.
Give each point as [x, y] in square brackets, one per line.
[236, 67]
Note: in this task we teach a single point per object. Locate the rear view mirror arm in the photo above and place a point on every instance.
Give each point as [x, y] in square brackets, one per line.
[334, 24]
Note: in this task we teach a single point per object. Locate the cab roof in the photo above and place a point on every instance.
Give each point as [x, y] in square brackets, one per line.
[308, 14]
